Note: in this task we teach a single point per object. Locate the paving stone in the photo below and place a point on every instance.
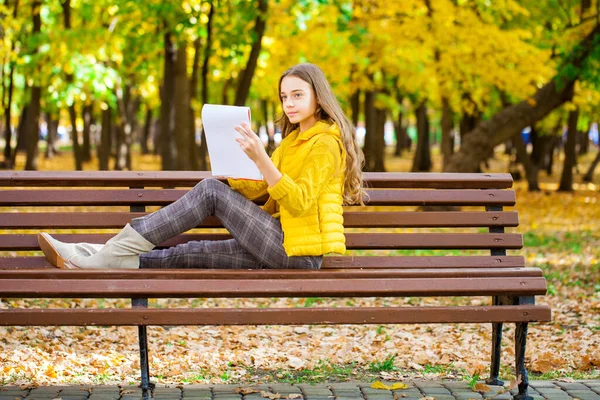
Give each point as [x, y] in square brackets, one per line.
[467, 395]
[441, 396]
[346, 390]
[503, 396]
[225, 388]
[435, 390]
[357, 397]
[412, 392]
[572, 386]
[343, 385]
[455, 385]
[318, 398]
[587, 396]
[542, 384]
[421, 384]
[317, 391]
[78, 397]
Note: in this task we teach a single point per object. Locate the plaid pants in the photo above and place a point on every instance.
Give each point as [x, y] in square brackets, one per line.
[257, 237]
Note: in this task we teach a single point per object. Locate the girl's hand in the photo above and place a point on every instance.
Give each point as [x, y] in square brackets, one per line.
[251, 144]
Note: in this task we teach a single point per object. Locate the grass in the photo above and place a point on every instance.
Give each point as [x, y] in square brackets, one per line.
[385, 365]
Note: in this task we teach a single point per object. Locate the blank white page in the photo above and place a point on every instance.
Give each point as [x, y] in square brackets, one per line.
[226, 156]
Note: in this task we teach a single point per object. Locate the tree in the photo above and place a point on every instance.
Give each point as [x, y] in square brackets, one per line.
[513, 119]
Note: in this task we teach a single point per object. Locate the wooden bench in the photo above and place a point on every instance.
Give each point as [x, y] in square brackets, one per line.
[34, 201]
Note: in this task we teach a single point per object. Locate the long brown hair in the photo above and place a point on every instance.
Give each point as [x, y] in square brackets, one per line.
[329, 110]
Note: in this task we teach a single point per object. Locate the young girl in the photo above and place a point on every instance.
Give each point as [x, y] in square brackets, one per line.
[315, 170]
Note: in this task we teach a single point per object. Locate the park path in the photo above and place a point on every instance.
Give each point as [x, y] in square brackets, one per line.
[438, 390]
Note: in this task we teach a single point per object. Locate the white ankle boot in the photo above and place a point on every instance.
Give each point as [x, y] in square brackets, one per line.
[122, 251]
[58, 253]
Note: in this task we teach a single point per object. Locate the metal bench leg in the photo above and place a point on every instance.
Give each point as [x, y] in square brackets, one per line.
[146, 385]
[496, 352]
[144, 365]
[496, 348]
[520, 344]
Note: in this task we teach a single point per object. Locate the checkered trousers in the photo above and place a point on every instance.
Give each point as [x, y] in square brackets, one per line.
[257, 237]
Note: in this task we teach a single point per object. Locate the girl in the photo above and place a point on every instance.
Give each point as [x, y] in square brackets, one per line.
[315, 170]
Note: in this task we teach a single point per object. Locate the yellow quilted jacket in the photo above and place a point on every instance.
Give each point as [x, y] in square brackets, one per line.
[309, 195]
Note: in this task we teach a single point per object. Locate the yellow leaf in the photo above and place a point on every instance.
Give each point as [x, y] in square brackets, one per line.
[50, 372]
[394, 386]
[295, 396]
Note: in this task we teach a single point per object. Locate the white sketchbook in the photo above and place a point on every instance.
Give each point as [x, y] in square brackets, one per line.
[226, 156]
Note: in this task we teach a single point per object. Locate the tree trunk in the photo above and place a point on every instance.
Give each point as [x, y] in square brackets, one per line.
[447, 147]
[584, 142]
[33, 118]
[246, 79]
[566, 179]
[193, 97]
[422, 160]
[401, 134]
[589, 175]
[203, 153]
[146, 131]
[549, 157]
[167, 111]
[86, 152]
[370, 131]
[531, 169]
[355, 106]
[8, 155]
[182, 109]
[105, 147]
[52, 136]
[480, 143]
[379, 141]
[8, 116]
[66, 6]
[121, 149]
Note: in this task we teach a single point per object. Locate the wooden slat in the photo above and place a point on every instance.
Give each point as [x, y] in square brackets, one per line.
[188, 178]
[346, 262]
[283, 316]
[330, 273]
[371, 241]
[121, 197]
[352, 219]
[244, 288]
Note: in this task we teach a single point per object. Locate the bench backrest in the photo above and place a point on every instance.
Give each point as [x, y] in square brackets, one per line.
[86, 203]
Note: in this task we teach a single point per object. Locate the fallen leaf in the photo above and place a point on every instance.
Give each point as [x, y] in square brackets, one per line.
[245, 390]
[394, 386]
[482, 387]
[28, 386]
[295, 396]
[272, 396]
[514, 383]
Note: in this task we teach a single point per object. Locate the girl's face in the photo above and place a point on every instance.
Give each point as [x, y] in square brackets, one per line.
[298, 101]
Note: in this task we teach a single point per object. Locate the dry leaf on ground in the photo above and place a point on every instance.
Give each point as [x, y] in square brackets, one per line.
[245, 390]
[393, 386]
[272, 396]
[482, 387]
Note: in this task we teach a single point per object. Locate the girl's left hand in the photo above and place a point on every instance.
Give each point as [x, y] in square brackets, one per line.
[251, 143]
